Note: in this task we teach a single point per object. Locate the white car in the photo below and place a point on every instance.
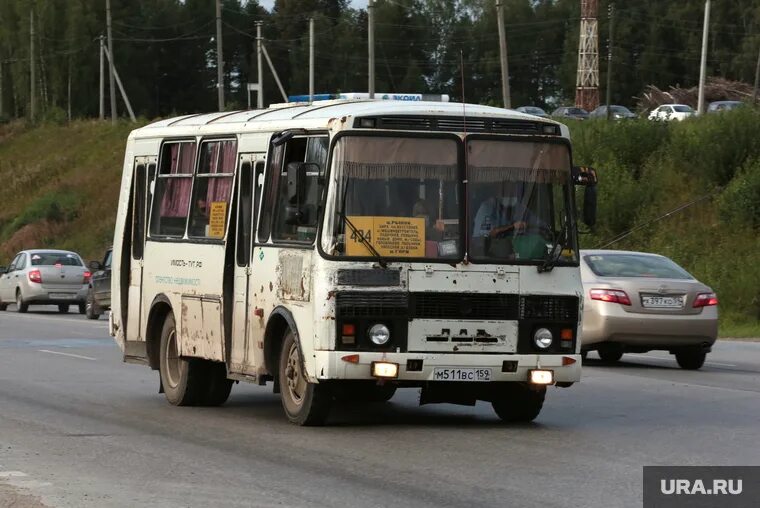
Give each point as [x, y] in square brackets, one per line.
[672, 112]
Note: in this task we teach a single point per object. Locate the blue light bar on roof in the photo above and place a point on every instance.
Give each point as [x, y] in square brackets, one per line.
[317, 97]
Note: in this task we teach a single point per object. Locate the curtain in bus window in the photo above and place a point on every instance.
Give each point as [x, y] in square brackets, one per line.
[176, 196]
[213, 183]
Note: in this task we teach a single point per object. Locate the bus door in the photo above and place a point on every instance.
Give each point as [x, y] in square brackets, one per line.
[144, 174]
[250, 180]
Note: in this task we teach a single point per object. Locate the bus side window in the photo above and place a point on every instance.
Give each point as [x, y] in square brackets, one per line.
[211, 193]
[245, 214]
[270, 191]
[314, 150]
[171, 202]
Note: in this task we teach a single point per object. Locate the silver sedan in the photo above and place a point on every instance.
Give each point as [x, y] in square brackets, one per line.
[637, 302]
[44, 277]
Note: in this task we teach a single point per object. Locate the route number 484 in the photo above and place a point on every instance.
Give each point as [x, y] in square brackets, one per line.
[359, 234]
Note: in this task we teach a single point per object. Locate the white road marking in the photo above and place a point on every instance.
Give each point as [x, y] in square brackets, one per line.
[67, 354]
[12, 474]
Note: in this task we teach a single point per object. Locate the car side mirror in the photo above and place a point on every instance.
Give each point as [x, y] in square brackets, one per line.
[95, 266]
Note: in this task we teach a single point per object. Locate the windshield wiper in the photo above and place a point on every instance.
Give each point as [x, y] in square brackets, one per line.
[358, 234]
[551, 260]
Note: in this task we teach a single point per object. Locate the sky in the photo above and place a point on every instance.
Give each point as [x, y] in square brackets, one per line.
[356, 4]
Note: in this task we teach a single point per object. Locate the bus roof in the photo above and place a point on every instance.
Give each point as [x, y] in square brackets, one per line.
[319, 115]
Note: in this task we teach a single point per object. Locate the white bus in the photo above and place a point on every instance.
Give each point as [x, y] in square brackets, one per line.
[343, 249]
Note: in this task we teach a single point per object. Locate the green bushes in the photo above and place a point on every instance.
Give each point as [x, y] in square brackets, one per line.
[649, 168]
[56, 206]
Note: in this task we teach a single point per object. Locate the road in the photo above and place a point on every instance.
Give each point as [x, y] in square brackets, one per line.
[80, 428]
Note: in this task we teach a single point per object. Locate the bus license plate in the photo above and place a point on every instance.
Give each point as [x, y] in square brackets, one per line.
[457, 374]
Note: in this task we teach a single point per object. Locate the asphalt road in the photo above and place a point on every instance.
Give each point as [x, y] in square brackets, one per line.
[79, 428]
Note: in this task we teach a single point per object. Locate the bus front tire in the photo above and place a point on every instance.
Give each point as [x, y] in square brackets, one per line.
[182, 379]
[518, 402]
[304, 403]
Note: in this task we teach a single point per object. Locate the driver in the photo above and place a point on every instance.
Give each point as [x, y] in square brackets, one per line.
[498, 215]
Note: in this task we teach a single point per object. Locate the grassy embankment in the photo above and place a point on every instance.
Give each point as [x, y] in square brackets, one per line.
[60, 188]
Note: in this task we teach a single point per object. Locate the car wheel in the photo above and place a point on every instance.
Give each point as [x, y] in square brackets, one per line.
[3, 306]
[691, 359]
[182, 379]
[519, 402]
[91, 309]
[304, 403]
[610, 353]
[584, 354]
[63, 308]
[21, 306]
[82, 308]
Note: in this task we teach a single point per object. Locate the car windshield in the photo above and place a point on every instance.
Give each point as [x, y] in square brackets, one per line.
[634, 265]
[55, 258]
[620, 109]
[576, 111]
[518, 196]
[394, 197]
[683, 109]
[534, 111]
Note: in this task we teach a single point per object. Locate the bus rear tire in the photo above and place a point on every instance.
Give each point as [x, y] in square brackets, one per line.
[182, 379]
[518, 402]
[217, 386]
[304, 403]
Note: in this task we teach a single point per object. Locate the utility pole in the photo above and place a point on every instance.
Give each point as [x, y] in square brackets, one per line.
[311, 60]
[611, 12]
[32, 77]
[260, 96]
[111, 84]
[703, 62]
[371, 46]
[1, 87]
[219, 60]
[754, 90]
[68, 92]
[503, 54]
[102, 105]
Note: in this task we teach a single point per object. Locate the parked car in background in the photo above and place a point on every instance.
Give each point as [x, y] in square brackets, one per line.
[669, 112]
[99, 290]
[45, 277]
[637, 302]
[718, 106]
[533, 110]
[570, 112]
[618, 112]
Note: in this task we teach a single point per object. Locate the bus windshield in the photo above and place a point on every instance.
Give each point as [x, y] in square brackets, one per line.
[394, 197]
[518, 196]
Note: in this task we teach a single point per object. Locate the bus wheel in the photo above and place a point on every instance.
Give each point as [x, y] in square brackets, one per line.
[181, 378]
[217, 386]
[304, 403]
[518, 402]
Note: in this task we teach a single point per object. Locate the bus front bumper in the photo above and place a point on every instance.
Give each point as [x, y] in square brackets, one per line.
[418, 368]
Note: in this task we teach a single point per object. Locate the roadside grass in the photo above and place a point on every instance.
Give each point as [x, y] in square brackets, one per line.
[738, 327]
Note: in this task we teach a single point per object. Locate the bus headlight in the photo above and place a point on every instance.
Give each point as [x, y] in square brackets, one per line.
[543, 338]
[379, 334]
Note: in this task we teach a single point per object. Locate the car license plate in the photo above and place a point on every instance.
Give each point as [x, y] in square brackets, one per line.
[62, 296]
[461, 374]
[662, 302]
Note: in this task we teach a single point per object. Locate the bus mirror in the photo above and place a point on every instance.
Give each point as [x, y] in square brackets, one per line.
[589, 205]
[584, 175]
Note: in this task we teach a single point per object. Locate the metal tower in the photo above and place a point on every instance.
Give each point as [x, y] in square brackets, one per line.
[587, 82]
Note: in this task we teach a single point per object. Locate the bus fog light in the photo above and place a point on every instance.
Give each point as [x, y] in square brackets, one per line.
[379, 334]
[541, 377]
[385, 369]
[543, 338]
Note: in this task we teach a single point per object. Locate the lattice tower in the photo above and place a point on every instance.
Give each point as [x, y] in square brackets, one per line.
[587, 82]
